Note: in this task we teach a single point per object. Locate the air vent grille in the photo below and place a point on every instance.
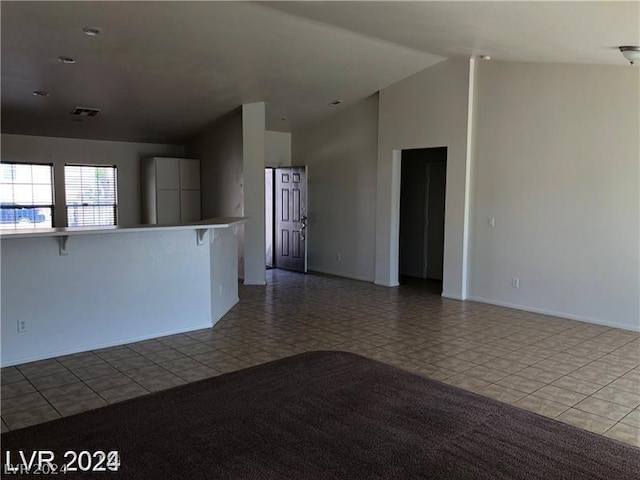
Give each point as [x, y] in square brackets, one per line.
[85, 112]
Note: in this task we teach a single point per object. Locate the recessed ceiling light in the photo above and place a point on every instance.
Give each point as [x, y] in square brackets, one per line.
[335, 103]
[41, 93]
[92, 31]
[63, 59]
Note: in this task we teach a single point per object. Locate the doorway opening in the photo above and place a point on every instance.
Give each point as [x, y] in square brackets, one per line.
[286, 218]
[422, 213]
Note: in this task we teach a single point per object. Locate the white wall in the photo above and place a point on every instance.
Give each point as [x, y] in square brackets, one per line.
[253, 145]
[556, 163]
[111, 289]
[340, 152]
[277, 149]
[428, 109]
[223, 268]
[60, 151]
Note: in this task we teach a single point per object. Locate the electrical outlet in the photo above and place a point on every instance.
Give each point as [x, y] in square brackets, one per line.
[22, 326]
[515, 282]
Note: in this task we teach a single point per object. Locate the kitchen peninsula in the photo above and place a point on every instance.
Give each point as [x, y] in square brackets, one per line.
[68, 290]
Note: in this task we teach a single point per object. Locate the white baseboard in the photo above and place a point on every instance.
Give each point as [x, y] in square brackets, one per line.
[554, 313]
[385, 284]
[96, 346]
[341, 274]
[217, 315]
[452, 296]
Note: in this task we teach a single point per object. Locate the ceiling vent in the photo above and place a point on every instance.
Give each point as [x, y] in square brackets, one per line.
[85, 112]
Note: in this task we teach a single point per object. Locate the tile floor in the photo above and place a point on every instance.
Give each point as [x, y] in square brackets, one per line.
[582, 374]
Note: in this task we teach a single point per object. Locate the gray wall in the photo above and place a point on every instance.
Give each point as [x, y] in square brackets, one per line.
[60, 151]
[277, 149]
[219, 148]
[428, 109]
[557, 164]
[340, 152]
[254, 148]
[232, 157]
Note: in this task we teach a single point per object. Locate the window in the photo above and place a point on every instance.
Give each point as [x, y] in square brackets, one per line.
[8, 172]
[91, 195]
[26, 195]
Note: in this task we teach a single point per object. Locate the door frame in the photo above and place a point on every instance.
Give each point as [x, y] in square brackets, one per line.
[399, 160]
[270, 260]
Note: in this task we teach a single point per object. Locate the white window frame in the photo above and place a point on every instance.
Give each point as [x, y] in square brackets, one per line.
[16, 207]
[84, 204]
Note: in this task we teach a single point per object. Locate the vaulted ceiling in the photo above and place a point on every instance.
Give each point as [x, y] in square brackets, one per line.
[160, 71]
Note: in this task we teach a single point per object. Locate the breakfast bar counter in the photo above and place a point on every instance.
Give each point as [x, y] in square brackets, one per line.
[68, 290]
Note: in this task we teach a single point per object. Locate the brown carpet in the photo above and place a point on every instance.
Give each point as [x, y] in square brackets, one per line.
[325, 415]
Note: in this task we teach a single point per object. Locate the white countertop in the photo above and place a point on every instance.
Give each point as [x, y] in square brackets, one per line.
[211, 223]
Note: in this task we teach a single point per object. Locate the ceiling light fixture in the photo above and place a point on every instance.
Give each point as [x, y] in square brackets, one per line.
[41, 93]
[335, 103]
[631, 53]
[92, 31]
[63, 59]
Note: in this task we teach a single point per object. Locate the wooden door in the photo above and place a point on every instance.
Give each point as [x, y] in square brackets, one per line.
[291, 218]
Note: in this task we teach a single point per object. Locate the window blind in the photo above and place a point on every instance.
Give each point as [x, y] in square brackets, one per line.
[91, 195]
